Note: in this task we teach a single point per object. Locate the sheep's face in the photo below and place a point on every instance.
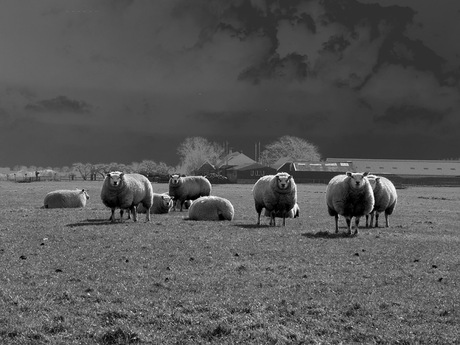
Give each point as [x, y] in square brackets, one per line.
[373, 180]
[283, 181]
[174, 180]
[85, 193]
[357, 180]
[115, 178]
[167, 201]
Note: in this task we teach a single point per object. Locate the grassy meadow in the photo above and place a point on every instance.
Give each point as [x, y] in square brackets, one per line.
[68, 276]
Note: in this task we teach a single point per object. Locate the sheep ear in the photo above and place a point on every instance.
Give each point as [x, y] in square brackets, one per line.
[108, 175]
[349, 173]
[366, 173]
[377, 179]
[122, 174]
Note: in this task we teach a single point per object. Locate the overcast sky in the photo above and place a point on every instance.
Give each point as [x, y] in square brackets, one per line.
[127, 80]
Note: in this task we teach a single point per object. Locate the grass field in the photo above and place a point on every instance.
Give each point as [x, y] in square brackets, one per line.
[68, 276]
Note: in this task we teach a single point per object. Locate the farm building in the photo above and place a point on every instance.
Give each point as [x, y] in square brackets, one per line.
[248, 173]
[315, 172]
[429, 172]
[234, 159]
[205, 169]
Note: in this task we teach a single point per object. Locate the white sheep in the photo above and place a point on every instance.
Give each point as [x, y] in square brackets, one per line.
[162, 203]
[349, 195]
[385, 199]
[277, 194]
[64, 198]
[127, 191]
[211, 208]
[188, 188]
[293, 213]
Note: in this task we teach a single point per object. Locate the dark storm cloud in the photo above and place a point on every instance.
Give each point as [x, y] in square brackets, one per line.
[328, 71]
[60, 104]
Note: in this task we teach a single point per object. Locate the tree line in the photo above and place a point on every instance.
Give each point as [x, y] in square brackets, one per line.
[193, 152]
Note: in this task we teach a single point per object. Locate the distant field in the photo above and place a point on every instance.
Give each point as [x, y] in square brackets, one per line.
[70, 277]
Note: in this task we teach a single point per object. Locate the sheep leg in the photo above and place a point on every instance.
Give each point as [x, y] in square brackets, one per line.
[376, 219]
[356, 224]
[112, 217]
[387, 220]
[336, 218]
[147, 218]
[272, 218]
[348, 220]
[367, 220]
[134, 212]
[258, 218]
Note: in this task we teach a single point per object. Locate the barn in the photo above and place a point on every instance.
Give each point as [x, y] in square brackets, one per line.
[409, 172]
[248, 173]
[315, 172]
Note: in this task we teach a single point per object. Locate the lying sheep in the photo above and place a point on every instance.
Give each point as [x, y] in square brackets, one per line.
[188, 188]
[127, 191]
[293, 213]
[385, 199]
[64, 198]
[211, 208]
[277, 194]
[186, 205]
[349, 195]
[162, 203]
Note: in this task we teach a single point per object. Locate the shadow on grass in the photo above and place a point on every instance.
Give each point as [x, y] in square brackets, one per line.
[94, 222]
[326, 234]
[251, 226]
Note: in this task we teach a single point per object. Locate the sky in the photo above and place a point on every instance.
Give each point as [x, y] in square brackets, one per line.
[127, 80]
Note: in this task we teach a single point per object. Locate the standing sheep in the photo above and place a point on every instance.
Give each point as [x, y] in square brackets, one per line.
[64, 198]
[162, 203]
[211, 208]
[385, 199]
[126, 191]
[277, 194]
[349, 195]
[188, 188]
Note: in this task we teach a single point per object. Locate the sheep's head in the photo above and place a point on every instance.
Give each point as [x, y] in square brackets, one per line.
[373, 180]
[167, 201]
[358, 180]
[283, 180]
[85, 193]
[115, 178]
[174, 180]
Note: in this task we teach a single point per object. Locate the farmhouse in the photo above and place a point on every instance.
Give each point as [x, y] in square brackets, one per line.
[315, 172]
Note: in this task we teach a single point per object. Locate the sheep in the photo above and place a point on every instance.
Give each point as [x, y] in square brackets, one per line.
[349, 195]
[211, 208]
[162, 203]
[127, 191]
[277, 194]
[187, 204]
[293, 213]
[385, 199]
[64, 198]
[188, 188]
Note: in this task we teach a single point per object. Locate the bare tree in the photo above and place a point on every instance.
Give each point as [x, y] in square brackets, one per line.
[194, 151]
[294, 148]
[84, 169]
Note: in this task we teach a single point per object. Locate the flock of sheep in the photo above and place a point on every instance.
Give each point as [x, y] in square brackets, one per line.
[349, 195]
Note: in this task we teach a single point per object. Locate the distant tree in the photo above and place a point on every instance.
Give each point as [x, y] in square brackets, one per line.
[84, 169]
[151, 168]
[294, 148]
[194, 151]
